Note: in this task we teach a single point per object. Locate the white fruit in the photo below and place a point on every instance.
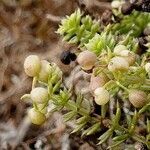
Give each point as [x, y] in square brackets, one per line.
[45, 71]
[115, 4]
[118, 64]
[147, 67]
[32, 65]
[119, 48]
[39, 95]
[129, 56]
[36, 117]
[101, 96]
[86, 60]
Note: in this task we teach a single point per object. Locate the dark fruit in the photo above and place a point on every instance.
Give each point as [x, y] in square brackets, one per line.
[73, 56]
[146, 7]
[127, 8]
[106, 17]
[66, 57]
[142, 42]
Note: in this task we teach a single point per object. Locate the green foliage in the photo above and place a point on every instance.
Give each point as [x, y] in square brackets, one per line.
[133, 24]
[83, 31]
[78, 29]
[101, 42]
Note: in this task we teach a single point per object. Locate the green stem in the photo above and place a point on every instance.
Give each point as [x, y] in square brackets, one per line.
[123, 87]
[34, 81]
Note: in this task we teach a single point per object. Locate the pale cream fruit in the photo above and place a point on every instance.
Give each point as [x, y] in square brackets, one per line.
[45, 71]
[137, 98]
[97, 81]
[129, 56]
[32, 65]
[86, 60]
[124, 53]
[119, 48]
[101, 96]
[118, 64]
[36, 117]
[39, 95]
[147, 67]
[116, 4]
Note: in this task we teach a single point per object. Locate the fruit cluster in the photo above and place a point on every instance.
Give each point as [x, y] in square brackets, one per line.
[115, 67]
[118, 75]
[42, 72]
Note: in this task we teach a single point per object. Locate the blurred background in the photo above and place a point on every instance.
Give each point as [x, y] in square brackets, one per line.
[28, 27]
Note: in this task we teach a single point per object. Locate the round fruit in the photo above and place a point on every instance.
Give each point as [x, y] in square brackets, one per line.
[137, 98]
[36, 117]
[115, 4]
[127, 8]
[129, 56]
[86, 59]
[32, 65]
[119, 48]
[147, 67]
[118, 64]
[97, 81]
[39, 95]
[101, 96]
[45, 71]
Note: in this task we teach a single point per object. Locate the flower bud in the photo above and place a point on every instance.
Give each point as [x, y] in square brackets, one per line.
[39, 95]
[118, 64]
[32, 65]
[137, 98]
[119, 48]
[36, 117]
[116, 4]
[101, 96]
[86, 60]
[97, 81]
[147, 67]
[45, 71]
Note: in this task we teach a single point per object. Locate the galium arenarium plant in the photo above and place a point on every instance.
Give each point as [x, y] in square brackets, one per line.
[119, 85]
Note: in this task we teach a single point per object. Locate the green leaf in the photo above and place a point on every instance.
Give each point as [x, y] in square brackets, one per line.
[148, 125]
[79, 127]
[116, 144]
[69, 116]
[139, 138]
[93, 129]
[25, 97]
[105, 136]
[133, 122]
[103, 110]
[116, 119]
[120, 137]
[144, 108]
[57, 86]
[82, 120]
